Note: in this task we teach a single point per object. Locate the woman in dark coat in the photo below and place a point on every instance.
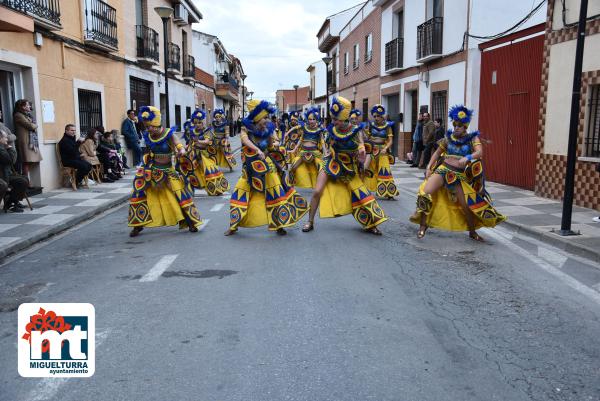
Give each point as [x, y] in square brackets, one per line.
[27, 138]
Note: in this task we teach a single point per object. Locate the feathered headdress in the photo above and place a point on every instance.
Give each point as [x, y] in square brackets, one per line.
[198, 114]
[294, 115]
[355, 113]
[340, 108]
[259, 109]
[150, 115]
[313, 111]
[218, 112]
[460, 114]
[378, 110]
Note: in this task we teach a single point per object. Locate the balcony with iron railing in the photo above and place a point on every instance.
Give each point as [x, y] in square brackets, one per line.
[189, 67]
[429, 39]
[394, 55]
[147, 44]
[174, 60]
[45, 13]
[100, 25]
[227, 87]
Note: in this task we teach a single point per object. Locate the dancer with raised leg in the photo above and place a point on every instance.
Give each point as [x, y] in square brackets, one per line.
[453, 195]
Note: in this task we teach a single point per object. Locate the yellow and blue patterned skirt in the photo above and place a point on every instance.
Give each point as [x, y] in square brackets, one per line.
[442, 208]
[261, 197]
[379, 177]
[346, 193]
[161, 197]
[305, 167]
[206, 173]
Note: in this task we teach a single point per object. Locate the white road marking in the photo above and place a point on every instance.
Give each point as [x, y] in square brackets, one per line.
[565, 278]
[48, 387]
[158, 269]
[226, 197]
[217, 207]
[555, 258]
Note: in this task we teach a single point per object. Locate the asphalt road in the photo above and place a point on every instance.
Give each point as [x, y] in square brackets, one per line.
[335, 314]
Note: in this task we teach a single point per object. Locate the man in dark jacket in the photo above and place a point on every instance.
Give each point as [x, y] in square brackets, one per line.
[70, 156]
[132, 138]
[17, 184]
[428, 138]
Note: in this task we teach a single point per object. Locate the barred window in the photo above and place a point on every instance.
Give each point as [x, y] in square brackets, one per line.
[439, 106]
[90, 110]
[592, 137]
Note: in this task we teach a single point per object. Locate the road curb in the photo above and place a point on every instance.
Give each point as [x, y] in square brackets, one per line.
[555, 240]
[58, 228]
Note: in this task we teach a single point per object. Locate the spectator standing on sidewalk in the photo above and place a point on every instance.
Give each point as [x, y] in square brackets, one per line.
[428, 139]
[132, 139]
[439, 133]
[70, 155]
[417, 142]
[27, 138]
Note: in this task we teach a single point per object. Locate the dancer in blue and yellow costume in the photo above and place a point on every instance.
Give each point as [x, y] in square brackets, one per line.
[379, 139]
[292, 136]
[220, 151]
[261, 196]
[355, 114]
[206, 172]
[160, 196]
[453, 195]
[305, 166]
[340, 190]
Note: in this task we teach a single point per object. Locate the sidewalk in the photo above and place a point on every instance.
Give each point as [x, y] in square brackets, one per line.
[533, 215]
[57, 210]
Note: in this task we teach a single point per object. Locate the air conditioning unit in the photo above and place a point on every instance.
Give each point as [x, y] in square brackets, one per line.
[181, 15]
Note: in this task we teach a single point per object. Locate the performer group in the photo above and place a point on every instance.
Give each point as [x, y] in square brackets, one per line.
[347, 164]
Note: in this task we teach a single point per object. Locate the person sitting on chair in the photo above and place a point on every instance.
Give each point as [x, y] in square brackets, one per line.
[17, 184]
[70, 156]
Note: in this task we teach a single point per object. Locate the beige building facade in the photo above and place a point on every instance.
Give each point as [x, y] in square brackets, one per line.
[75, 62]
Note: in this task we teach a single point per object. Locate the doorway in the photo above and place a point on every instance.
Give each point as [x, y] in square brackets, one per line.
[393, 111]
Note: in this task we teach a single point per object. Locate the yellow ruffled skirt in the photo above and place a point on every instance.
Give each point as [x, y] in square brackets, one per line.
[277, 206]
[443, 210]
[307, 170]
[379, 178]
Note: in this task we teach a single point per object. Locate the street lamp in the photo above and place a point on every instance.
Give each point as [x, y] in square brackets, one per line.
[165, 13]
[243, 76]
[327, 60]
[296, 94]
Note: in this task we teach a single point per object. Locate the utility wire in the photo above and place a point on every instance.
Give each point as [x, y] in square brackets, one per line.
[512, 28]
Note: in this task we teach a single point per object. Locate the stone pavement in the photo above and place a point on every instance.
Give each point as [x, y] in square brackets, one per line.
[533, 215]
[57, 210]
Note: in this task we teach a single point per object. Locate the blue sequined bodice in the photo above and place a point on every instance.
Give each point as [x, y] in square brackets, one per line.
[460, 146]
[378, 132]
[314, 136]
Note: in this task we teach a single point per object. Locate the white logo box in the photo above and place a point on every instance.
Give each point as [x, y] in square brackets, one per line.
[77, 363]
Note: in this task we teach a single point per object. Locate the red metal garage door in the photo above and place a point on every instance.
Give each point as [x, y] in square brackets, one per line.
[509, 107]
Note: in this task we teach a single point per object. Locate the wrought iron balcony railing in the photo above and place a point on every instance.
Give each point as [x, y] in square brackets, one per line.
[100, 25]
[429, 38]
[394, 51]
[147, 43]
[45, 12]
[174, 57]
[189, 67]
